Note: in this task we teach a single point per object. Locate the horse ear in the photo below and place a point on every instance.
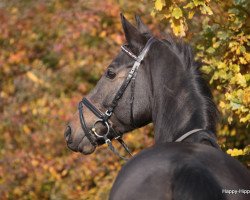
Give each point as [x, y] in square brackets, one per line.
[141, 26]
[133, 36]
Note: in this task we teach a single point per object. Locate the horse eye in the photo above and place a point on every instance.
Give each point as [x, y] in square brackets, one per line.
[110, 74]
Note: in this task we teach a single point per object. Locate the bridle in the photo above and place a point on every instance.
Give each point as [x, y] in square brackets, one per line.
[103, 117]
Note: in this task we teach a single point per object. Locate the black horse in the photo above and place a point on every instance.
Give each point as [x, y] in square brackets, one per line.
[157, 81]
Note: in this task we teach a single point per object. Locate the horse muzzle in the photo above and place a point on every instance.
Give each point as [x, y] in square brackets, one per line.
[77, 141]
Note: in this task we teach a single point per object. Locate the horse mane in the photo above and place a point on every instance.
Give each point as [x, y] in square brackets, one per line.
[200, 87]
[183, 51]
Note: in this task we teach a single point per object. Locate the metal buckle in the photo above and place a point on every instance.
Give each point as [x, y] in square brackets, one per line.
[107, 141]
[108, 113]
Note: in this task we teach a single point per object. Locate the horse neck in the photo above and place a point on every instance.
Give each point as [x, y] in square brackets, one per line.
[178, 104]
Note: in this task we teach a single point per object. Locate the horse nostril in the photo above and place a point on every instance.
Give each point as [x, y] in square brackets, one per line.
[67, 134]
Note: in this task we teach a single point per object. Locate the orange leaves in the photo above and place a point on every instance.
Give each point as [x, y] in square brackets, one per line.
[54, 173]
[53, 53]
[34, 78]
[83, 88]
[26, 129]
[48, 61]
[34, 162]
[17, 57]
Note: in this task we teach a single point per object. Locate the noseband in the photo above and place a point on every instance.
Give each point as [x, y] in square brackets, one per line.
[103, 118]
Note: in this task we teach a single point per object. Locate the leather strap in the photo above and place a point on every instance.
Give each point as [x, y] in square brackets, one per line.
[183, 137]
[84, 126]
[133, 70]
[94, 110]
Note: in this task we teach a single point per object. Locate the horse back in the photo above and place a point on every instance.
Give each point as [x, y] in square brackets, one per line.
[181, 171]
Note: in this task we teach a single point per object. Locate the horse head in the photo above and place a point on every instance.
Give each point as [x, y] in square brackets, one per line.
[115, 106]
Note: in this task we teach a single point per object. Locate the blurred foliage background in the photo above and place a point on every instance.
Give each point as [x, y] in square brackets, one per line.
[54, 51]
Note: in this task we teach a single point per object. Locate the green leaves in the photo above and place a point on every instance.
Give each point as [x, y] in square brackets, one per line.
[210, 50]
[198, 2]
[177, 13]
[222, 41]
[206, 9]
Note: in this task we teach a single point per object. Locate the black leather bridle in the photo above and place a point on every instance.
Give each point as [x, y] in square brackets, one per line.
[103, 118]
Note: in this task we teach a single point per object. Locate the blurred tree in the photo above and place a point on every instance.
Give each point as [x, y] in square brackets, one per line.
[220, 33]
[53, 52]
